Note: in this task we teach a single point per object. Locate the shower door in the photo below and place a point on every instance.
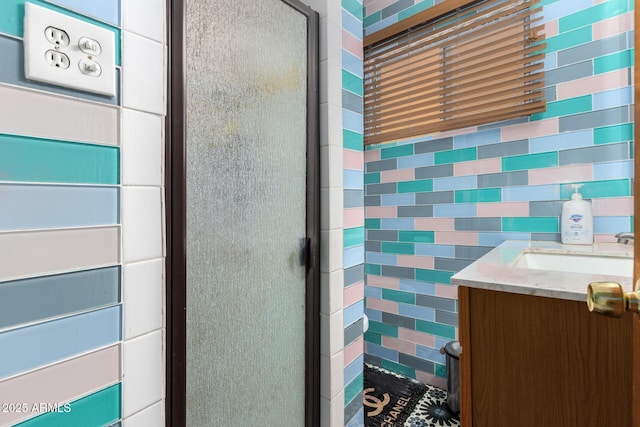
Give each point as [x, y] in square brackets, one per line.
[251, 215]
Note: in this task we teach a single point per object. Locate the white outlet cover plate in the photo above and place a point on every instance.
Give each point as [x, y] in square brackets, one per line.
[36, 20]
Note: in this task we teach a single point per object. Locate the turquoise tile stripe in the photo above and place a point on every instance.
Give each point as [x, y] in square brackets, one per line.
[353, 236]
[453, 156]
[352, 83]
[612, 62]
[12, 20]
[539, 224]
[31, 159]
[565, 107]
[101, 408]
[434, 276]
[615, 133]
[480, 195]
[352, 140]
[399, 151]
[597, 189]
[398, 296]
[383, 329]
[530, 161]
[569, 39]
[415, 186]
[436, 329]
[592, 15]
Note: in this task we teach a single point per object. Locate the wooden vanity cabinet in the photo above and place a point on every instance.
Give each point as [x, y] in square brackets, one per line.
[543, 362]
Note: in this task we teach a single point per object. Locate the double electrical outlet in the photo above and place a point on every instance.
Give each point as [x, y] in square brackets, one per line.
[65, 51]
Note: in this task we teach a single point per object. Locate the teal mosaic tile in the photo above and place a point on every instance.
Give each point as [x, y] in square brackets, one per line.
[612, 62]
[416, 236]
[352, 83]
[372, 223]
[371, 19]
[354, 7]
[565, 107]
[398, 151]
[352, 140]
[597, 189]
[480, 195]
[616, 133]
[416, 8]
[372, 178]
[453, 156]
[434, 276]
[398, 248]
[352, 390]
[373, 337]
[415, 186]
[539, 224]
[592, 15]
[353, 236]
[373, 269]
[399, 296]
[436, 329]
[401, 369]
[383, 328]
[441, 370]
[530, 161]
[569, 39]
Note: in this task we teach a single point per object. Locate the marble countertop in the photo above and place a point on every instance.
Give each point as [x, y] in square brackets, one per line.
[495, 270]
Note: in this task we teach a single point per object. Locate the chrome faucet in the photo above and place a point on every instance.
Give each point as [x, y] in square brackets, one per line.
[625, 238]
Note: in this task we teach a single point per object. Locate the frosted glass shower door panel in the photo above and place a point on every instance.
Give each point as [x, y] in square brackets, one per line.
[246, 213]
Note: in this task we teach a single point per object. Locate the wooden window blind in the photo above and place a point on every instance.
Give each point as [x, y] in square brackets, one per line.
[480, 63]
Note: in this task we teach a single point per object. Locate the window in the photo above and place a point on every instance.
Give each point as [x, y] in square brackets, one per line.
[479, 63]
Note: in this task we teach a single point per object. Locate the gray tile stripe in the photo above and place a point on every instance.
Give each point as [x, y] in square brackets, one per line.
[353, 332]
[21, 300]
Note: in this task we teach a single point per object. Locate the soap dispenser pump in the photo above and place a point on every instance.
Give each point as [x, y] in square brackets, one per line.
[577, 220]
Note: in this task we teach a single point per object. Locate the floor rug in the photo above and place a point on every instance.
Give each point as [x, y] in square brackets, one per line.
[395, 400]
[388, 399]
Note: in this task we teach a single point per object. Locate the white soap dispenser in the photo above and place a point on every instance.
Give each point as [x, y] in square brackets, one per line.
[577, 220]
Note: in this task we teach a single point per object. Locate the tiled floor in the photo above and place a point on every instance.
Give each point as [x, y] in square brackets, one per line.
[430, 409]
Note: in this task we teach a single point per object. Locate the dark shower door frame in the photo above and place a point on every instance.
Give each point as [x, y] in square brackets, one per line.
[175, 206]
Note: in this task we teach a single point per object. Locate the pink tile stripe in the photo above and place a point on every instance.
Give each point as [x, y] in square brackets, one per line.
[397, 175]
[426, 340]
[530, 130]
[61, 382]
[416, 261]
[447, 291]
[476, 167]
[551, 28]
[399, 345]
[457, 237]
[371, 155]
[353, 294]
[373, 6]
[352, 44]
[383, 282]
[353, 351]
[502, 209]
[561, 174]
[382, 305]
[352, 159]
[438, 224]
[612, 26]
[613, 206]
[431, 379]
[353, 217]
[381, 212]
[588, 85]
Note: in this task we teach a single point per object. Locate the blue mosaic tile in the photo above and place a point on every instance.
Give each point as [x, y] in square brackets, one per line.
[375, 315]
[452, 211]
[353, 256]
[403, 199]
[613, 98]
[562, 141]
[353, 180]
[351, 24]
[417, 287]
[382, 258]
[610, 224]
[417, 312]
[435, 250]
[430, 354]
[613, 170]
[352, 64]
[415, 161]
[559, 9]
[385, 353]
[494, 239]
[475, 139]
[372, 292]
[352, 313]
[455, 183]
[396, 223]
[527, 194]
[352, 121]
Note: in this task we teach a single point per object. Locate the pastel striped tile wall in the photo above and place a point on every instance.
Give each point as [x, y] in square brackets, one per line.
[80, 280]
[354, 231]
[435, 204]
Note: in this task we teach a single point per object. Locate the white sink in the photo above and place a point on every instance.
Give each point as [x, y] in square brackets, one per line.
[575, 263]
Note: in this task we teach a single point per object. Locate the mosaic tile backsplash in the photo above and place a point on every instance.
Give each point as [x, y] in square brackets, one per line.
[435, 204]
